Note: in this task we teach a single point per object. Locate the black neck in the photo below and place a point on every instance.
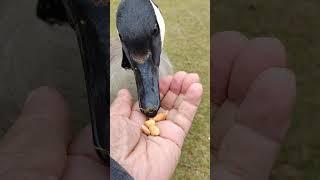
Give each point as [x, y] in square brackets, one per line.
[90, 20]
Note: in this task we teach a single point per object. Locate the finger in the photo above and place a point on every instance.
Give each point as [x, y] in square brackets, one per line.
[226, 46]
[188, 81]
[122, 104]
[183, 116]
[193, 95]
[174, 90]
[250, 147]
[223, 120]
[268, 104]
[257, 56]
[177, 81]
[188, 106]
[245, 154]
[136, 115]
[164, 85]
[83, 162]
[39, 138]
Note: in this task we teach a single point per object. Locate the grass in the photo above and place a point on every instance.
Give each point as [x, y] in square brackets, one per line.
[187, 44]
[296, 23]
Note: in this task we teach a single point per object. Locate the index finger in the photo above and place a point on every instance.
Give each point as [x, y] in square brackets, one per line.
[180, 119]
[225, 48]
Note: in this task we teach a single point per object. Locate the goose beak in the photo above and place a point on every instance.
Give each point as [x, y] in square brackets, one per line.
[147, 80]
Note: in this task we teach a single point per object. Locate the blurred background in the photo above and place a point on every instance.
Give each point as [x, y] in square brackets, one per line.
[34, 54]
[187, 43]
[296, 23]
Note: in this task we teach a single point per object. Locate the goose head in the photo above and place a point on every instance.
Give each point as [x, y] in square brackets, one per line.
[141, 31]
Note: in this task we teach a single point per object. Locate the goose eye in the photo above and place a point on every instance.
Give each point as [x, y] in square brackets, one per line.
[155, 30]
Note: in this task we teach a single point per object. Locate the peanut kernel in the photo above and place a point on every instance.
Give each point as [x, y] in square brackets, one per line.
[154, 130]
[160, 116]
[145, 130]
[149, 123]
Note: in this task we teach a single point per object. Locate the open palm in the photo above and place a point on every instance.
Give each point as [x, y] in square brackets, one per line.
[149, 157]
[253, 93]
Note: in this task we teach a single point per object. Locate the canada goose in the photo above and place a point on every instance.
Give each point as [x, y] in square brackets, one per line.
[90, 20]
[120, 78]
[141, 31]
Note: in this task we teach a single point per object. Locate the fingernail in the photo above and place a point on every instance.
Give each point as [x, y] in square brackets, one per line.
[195, 76]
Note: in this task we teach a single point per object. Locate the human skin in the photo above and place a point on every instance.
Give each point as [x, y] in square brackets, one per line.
[149, 157]
[253, 93]
[39, 143]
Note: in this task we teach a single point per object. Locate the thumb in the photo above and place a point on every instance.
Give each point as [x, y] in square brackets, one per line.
[37, 141]
[122, 105]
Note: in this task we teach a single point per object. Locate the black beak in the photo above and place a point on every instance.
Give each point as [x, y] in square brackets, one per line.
[147, 80]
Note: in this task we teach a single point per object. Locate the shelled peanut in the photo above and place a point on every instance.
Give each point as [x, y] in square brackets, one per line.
[145, 130]
[149, 127]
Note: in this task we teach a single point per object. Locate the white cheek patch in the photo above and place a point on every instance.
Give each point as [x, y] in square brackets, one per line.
[160, 21]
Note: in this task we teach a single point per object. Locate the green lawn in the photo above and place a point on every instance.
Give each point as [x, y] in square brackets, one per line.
[187, 44]
[296, 23]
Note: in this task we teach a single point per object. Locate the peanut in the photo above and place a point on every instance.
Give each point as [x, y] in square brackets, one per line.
[154, 130]
[160, 116]
[149, 127]
[145, 130]
[150, 122]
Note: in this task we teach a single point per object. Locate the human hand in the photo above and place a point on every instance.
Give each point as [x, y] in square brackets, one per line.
[253, 94]
[148, 157]
[38, 146]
